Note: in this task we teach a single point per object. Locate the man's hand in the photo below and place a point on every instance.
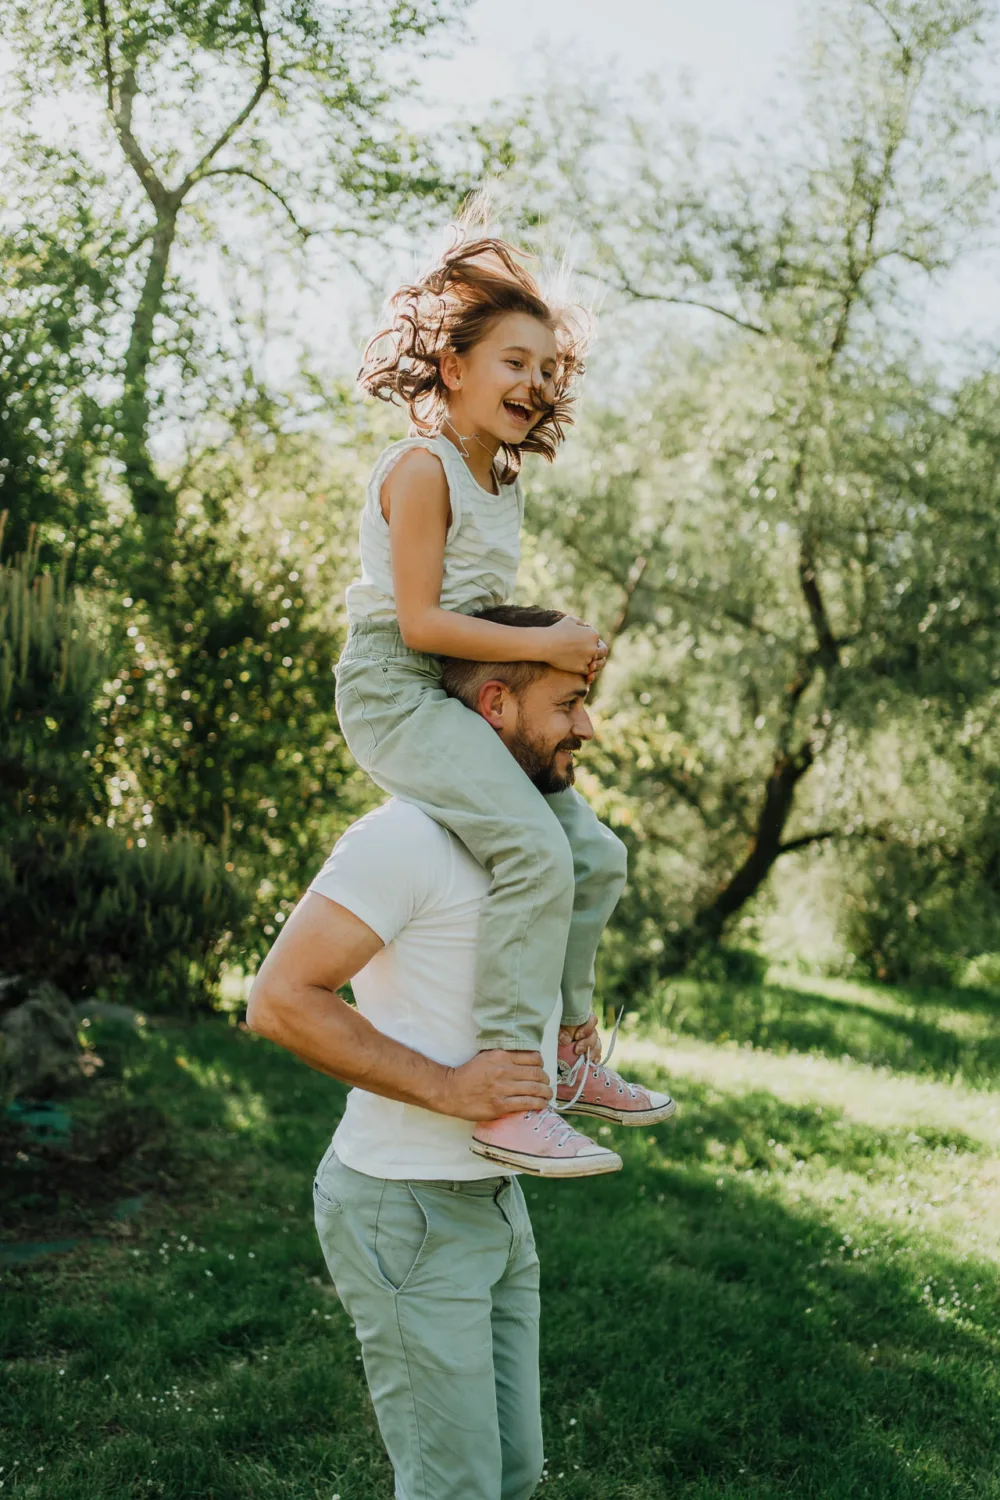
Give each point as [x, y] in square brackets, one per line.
[495, 1083]
[584, 1038]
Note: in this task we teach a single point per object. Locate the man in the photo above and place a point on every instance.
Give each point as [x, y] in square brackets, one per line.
[431, 1252]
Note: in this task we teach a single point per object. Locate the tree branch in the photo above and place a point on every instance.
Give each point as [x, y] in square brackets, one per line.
[134, 154]
[300, 229]
[624, 614]
[624, 285]
[109, 73]
[260, 89]
[897, 35]
[805, 839]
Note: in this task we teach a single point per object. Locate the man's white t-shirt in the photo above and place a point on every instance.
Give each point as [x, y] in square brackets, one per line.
[420, 890]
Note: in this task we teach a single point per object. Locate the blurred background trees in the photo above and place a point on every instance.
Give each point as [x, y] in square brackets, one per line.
[776, 506]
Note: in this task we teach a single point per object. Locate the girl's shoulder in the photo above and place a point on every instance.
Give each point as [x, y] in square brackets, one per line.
[387, 460]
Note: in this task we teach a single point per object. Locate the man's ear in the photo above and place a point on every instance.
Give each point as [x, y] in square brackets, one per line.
[491, 701]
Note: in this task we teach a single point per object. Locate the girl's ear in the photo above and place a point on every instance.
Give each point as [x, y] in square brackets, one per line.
[450, 369]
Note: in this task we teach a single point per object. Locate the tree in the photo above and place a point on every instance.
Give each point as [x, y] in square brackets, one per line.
[787, 526]
[290, 104]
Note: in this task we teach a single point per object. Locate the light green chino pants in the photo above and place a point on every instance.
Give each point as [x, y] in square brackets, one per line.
[557, 870]
[441, 1282]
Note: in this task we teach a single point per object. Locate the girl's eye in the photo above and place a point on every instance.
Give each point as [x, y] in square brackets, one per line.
[515, 362]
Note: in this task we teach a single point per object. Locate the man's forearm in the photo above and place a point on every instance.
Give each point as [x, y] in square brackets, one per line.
[332, 1037]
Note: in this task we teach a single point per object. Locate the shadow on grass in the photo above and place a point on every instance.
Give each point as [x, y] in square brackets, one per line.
[711, 1339]
[921, 1031]
[703, 1335]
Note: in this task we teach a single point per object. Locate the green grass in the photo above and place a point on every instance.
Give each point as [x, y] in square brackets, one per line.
[790, 1291]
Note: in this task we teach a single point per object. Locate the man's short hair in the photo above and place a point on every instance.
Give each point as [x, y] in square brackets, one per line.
[463, 679]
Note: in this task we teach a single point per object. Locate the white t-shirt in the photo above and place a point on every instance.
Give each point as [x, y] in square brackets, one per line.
[418, 887]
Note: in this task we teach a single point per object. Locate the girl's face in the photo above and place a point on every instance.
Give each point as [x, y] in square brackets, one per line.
[502, 386]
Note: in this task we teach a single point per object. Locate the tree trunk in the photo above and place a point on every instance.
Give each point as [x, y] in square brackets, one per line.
[779, 798]
[152, 498]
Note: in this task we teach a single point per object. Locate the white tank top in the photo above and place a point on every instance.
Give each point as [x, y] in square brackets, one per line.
[482, 546]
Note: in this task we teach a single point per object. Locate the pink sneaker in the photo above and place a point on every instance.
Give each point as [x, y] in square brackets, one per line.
[540, 1141]
[586, 1088]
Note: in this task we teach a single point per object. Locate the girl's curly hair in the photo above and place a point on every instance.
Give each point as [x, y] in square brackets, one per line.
[452, 307]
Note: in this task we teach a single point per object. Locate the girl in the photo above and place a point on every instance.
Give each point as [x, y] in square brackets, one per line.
[485, 367]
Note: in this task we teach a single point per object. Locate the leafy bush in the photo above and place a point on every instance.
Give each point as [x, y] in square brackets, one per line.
[80, 903]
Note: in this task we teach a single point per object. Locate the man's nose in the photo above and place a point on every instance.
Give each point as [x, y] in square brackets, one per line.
[582, 726]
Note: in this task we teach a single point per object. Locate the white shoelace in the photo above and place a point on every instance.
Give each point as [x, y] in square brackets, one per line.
[601, 1071]
[558, 1131]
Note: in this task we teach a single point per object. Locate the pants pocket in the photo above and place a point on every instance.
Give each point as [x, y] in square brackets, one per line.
[402, 1229]
[368, 708]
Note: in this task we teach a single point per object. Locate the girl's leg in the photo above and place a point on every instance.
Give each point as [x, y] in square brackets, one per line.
[419, 744]
[599, 868]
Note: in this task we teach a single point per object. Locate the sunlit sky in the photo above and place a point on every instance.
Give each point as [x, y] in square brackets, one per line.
[737, 58]
[732, 49]
[734, 56]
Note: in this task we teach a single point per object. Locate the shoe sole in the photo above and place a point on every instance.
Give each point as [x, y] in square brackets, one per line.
[550, 1166]
[624, 1116]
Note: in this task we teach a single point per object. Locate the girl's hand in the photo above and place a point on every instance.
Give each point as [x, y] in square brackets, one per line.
[572, 646]
[598, 662]
[583, 1037]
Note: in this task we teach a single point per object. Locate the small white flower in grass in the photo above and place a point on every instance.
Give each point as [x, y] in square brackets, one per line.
[232, 1257]
[572, 1421]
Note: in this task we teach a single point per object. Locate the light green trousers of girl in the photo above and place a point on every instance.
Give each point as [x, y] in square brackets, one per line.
[557, 871]
[440, 1280]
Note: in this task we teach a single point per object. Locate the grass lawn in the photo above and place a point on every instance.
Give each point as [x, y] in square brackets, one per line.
[790, 1291]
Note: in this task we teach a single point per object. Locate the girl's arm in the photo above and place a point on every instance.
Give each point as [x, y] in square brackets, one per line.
[415, 501]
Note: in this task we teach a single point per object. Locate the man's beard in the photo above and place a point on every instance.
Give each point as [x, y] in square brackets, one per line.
[539, 767]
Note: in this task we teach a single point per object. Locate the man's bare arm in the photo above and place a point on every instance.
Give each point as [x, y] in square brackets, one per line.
[294, 1002]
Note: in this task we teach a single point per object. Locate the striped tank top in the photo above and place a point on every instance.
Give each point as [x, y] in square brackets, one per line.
[482, 545]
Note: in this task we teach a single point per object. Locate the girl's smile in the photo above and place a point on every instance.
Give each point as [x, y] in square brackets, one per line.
[522, 413]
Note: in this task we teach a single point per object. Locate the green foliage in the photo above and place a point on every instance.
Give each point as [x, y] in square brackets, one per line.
[49, 671]
[82, 905]
[92, 910]
[59, 270]
[783, 520]
[223, 699]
